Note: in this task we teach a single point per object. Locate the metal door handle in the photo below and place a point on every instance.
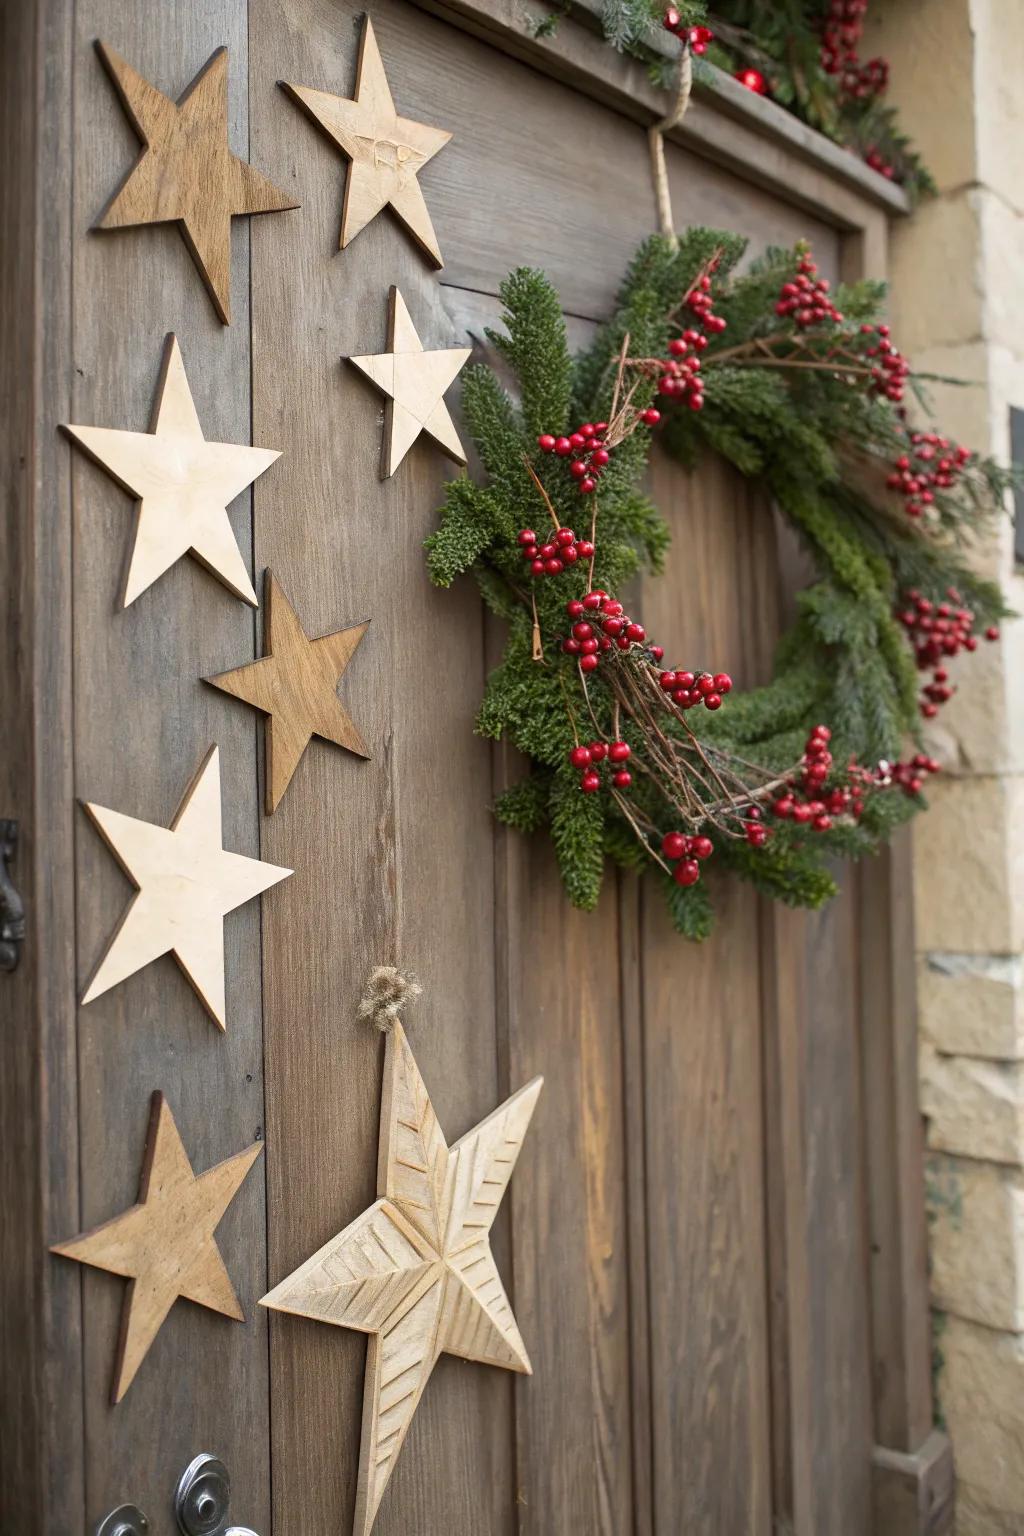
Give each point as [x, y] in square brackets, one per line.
[202, 1499]
[12, 908]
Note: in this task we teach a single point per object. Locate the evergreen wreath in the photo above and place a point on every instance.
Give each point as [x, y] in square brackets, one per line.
[665, 767]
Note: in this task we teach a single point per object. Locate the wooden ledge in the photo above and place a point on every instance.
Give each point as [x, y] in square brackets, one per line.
[726, 123]
[913, 1492]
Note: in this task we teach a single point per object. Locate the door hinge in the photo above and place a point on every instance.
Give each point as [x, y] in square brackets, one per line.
[12, 908]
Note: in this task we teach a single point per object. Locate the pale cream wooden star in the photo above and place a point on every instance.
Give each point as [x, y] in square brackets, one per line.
[182, 483]
[387, 151]
[414, 382]
[165, 1244]
[186, 174]
[416, 1271]
[187, 883]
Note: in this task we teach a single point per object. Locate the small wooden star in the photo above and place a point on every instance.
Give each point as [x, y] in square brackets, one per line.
[187, 883]
[183, 485]
[296, 687]
[165, 1244]
[414, 382]
[416, 1270]
[387, 151]
[186, 174]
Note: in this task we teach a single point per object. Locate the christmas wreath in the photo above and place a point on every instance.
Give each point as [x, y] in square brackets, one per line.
[656, 762]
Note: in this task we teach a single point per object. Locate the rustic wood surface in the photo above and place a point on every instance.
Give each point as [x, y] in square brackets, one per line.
[186, 884]
[385, 151]
[186, 173]
[416, 1271]
[695, 1177]
[295, 684]
[164, 1245]
[413, 382]
[183, 485]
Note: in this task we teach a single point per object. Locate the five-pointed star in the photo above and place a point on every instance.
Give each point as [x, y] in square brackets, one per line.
[183, 485]
[387, 151]
[296, 686]
[416, 1270]
[186, 174]
[165, 1245]
[187, 882]
[414, 382]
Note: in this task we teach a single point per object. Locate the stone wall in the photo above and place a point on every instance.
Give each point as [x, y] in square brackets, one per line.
[958, 309]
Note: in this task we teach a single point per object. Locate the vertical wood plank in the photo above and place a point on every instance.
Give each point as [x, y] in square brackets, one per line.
[143, 723]
[394, 857]
[709, 1355]
[40, 1342]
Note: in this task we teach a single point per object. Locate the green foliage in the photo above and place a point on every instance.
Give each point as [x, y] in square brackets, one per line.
[819, 443]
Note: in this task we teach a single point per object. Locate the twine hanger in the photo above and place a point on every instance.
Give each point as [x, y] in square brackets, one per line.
[656, 140]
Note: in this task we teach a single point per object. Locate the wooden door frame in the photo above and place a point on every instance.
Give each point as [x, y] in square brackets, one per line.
[40, 1327]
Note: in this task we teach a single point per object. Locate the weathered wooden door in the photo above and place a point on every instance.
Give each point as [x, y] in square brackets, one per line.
[713, 1239]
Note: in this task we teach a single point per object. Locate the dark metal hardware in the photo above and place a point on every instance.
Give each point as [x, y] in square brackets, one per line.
[202, 1499]
[12, 908]
[125, 1520]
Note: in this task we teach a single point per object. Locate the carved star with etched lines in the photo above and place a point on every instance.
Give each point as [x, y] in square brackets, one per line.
[416, 1271]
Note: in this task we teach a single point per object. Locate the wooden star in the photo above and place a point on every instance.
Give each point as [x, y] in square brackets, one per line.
[165, 1245]
[182, 483]
[296, 687]
[187, 882]
[416, 1270]
[414, 382]
[186, 174]
[387, 151]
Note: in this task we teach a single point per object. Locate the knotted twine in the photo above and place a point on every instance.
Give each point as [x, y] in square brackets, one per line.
[387, 992]
[656, 139]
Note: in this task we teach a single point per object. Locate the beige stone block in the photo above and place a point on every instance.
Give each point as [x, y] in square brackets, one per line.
[998, 64]
[981, 1391]
[1002, 236]
[976, 1517]
[976, 1240]
[973, 1005]
[936, 274]
[961, 408]
[969, 867]
[930, 46]
[973, 1107]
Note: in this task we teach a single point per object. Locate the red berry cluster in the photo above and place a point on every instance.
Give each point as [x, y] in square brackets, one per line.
[805, 298]
[551, 559]
[909, 776]
[697, 37]
[890, 373]
[608, 625]
[687, 854]
[805, 800]
[938, 631]
[841, 33]
[690, 688]
[589, 758]
[680, 373]
[585, 451]
[753, 80]
[879, 163]
[935, 464]
[700, 302]
[863, 82]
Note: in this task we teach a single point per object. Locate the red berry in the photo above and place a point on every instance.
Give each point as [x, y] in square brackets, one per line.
[656, 653]
[563, 447]
[685, 679]
[582, 630]
[667, 680]
[588, 663]
[723, 682]
[622, 779]
[650, 417]
[537, 567]
[612, 627]
[590, 781]
[702, 847]
[712, 701]
[674, 845]
[992, 633]
[584, 548]
[783, 807]
[565, 536]
[822, 823]
[588, 647]
[552, 567]
[578, 468]
[580, 757]
[588, 485]
[686, 872]
[636, 632]
[619, 751]
[802, 814]
[574, 608]
[601, 456]
[571, 647]
[527, 536]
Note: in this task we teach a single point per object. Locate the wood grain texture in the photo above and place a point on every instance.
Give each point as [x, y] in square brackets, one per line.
[186, 884]
[164, 1245]
[182, 483]
[386, 152]
[416, 1271]
[413, 382]
[186, 173]
[295, 684]
[205, 1384]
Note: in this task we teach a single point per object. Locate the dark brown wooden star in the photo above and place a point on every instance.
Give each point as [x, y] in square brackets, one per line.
[186, 174]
